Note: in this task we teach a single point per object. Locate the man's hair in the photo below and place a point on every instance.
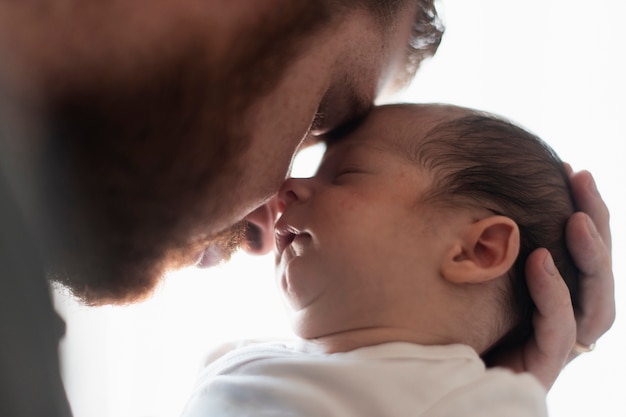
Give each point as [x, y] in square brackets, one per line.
[426, 35]
[482, 161]
[134, 145]
[129, 147]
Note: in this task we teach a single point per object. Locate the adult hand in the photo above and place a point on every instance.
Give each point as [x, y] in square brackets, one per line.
[589, 241]
[557, 327]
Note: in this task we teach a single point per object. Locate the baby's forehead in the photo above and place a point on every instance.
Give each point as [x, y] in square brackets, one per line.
[412, 119]
[405, 126]
[396, 128]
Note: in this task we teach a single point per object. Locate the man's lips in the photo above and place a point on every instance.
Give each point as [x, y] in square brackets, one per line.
[210, 257]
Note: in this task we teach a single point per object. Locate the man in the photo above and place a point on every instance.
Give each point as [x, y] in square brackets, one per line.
[136, 134]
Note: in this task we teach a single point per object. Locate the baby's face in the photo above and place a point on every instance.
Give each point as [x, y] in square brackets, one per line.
[355, 246]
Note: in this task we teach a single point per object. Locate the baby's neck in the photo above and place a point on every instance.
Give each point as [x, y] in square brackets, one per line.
[358, 338]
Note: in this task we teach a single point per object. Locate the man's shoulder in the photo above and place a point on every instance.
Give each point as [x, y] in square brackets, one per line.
[30, 329]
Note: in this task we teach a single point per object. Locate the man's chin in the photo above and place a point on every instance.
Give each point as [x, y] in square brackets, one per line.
[132, 277]
[110, 285]
[223, 245]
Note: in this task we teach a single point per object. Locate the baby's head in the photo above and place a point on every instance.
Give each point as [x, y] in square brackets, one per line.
[412, 225]
[478, 160]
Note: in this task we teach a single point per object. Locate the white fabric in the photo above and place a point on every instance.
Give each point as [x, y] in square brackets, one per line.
[393, 379]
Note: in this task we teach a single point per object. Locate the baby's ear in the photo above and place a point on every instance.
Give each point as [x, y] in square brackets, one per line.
[484, 250]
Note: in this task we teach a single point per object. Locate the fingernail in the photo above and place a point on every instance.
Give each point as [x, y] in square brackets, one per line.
[548, 264]
[591, 228]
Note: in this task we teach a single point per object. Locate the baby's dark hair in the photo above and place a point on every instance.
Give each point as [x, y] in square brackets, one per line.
[486, 162]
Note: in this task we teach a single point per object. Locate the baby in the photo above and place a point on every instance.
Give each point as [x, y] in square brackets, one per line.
[402, 262]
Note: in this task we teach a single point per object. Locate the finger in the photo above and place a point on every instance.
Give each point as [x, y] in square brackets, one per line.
[554, 311]
[589, 241]
[554, 324]
[593, 258]
[587, 246]
[588, 200]
[568, 168]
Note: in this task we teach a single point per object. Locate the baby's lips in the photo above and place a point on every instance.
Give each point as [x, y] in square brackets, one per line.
[283, 239]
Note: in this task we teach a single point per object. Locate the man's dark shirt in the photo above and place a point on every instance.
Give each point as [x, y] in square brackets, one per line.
[30, 329]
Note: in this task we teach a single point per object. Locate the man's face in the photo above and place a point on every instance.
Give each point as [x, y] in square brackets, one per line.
[176, 140]
[334, 79]
[356, 248]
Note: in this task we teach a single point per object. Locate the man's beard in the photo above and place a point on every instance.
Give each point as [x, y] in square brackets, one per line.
[96, 281]
[131, 195]
[133, 169]
[222, 246]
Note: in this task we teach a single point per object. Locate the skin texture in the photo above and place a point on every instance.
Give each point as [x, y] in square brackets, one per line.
[110, 61]
[553, 314]
[362, 260]
[156, 188]
[555, 331]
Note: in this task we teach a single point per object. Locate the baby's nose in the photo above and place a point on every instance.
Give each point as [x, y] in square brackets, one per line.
[292, 190]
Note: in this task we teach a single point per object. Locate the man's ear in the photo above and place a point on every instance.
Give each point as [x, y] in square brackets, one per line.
[485, 250]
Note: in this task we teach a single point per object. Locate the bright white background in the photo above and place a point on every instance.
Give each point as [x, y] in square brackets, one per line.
[555, 66]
